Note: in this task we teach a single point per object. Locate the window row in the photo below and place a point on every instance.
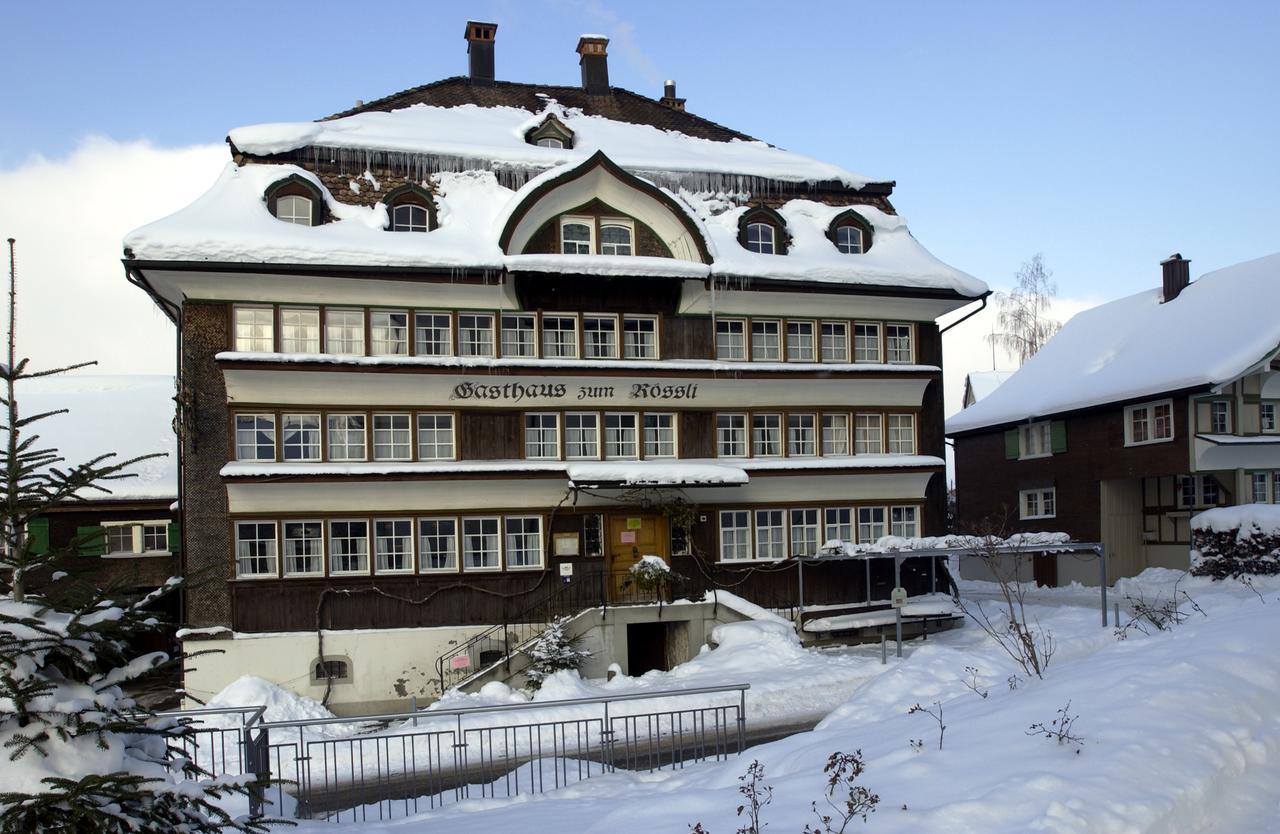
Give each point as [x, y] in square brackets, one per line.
[589, 435]
[771, 534]
[764, 231]
[358, 547]
[759, 434]
[596, 236]
[135, 537]
[361, 332]
[779, 340]
[344, 437]
[298, 201]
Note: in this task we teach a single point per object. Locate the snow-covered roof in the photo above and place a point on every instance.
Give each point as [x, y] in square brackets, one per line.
[128, 415]
[1217, 329]
[978, 384]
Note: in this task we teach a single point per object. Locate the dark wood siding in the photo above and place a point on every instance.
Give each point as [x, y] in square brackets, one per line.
[697, 434]
[687, 337]
[486, 435]
[597, 294]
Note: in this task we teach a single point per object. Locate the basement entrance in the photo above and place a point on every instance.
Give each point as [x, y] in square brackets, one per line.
[659, 646]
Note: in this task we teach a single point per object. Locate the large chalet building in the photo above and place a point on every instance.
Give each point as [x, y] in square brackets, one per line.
[1137, 415]
[449, 348]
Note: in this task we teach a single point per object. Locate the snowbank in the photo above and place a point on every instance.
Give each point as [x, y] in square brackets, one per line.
[281, 704]
[1244, 520]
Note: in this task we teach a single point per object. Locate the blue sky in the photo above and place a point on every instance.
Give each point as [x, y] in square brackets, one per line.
[1105, 135]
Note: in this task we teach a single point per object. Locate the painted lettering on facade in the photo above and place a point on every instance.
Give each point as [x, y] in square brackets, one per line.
[515, 392]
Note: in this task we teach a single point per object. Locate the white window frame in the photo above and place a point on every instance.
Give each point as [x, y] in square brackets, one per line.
[904, 521]
[542, 439]
[453, 558]
[273, 558]
[1035, 440]
[464, 551]
[285, 541]
[383, 340]
[339, 437]
[254, 329]
[802, 348]
[900, 439]
[590, 244]
[299, 330]
[771, 537]
[529, 542]
[137, 538]
[731, 346]
[290, 209]
[470, 326]
[864, 342]
[310, 441]
[1145, 413]
[833, 347]
[755, 241]
[766, 340]
[554, 343]
[871, 519]
[582, 441]
[599, 336]
[768, 439]
[438, 441]
[634, 343]
[1267, 423]
[259, 418]
[1213, 417]
[835, 437]
[551, 142]
[730, 437]
[802, 439]
[520, 340]
[344, 332]
[742, 542]
[838, 519]
[334, 554]
[428, 323]
[618, 450]
[407, 538]
[612, 248]
[853, 246]
[864, 435]
[1038, 503]
[409, 224]
[659, 437]
[391, 440]
[804, 526]
[899, 349]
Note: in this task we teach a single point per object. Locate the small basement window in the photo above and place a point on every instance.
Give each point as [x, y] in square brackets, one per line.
[331, 670]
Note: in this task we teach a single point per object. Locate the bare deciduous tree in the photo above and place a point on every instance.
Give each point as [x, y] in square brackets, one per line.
[1023, 322]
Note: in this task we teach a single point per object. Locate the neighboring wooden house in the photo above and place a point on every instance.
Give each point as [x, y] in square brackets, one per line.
[452, 348]
[978, 384]
[1136, 415]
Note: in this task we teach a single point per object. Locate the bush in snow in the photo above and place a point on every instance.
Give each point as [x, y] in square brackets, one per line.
[843, 770]
[1059, 729]
[552, 651]
[1158, 614]
[1236, 541]
[82, 755]
[651, 576]
[1020, 635]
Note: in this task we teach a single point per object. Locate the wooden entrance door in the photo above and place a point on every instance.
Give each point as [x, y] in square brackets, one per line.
[631, 537]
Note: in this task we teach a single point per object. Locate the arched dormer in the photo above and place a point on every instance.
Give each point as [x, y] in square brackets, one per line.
[295, 199]
[552, 133]
[410, 208]
[763, 230]
[850, 233]
[597, 186]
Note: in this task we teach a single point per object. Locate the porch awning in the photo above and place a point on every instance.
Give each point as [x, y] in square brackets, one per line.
[1233, 451]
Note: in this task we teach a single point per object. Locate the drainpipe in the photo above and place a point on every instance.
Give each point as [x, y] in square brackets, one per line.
[983, 299]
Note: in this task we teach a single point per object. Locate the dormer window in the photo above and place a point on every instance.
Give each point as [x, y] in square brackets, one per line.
[763, 230]
[410, 209]
[850, 233]
[552, 133]
[294, 209]
[615, 238]
[575, 236]
[760, 238]
[551, 142]
[296, 200]
[849, 240]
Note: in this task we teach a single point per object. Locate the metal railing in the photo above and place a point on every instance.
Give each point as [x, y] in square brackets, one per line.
[415, 761]
[214, 746]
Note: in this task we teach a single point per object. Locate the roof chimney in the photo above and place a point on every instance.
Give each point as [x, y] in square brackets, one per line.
[1177, 274]
[594, 63]
[669, 97]
[480, 50]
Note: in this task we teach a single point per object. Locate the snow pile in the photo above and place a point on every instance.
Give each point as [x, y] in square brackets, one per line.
[651, 563]
[1244, 520]
[281, 704]
[1235, 541]
[1137, 346]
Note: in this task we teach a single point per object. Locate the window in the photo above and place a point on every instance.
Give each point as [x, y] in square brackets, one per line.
[344, 332]
[300, 436]
[255, 437]
[480, 544]
[897, 339]
[593, 535]
[802, 435]
[766, 341]
[255, 329]
[393, 545]
[408, 217]
[432, 334]
[1260, 482]
[1038, 503]
[771, 538]
[475, 334]
[391, 437]
[1219, 417]
[524, 541]
[1035, 440]
[735, 535]
[730, 339]
[519, 335]
[804, 533]
[835, 434]
[835, 341]
[542, 436]
[620, 436]
[1148, 423]
[155, 537]
[119, 539]
[1208, 490]
[600, 337]
[800, 341]
[760, 238]
[902, 522]
[639, 338]
[902, 434]
[1267, 417]
[615, 239]
[582, 436]
[389, 333]
[870, 524]
[346, 437]
[867, 435]
[575, 237]
[731, 435]
[294, 209]
[299, 330]
[348, 547]
[255, 548]
[435, 437]
[331, 669]
[303, 548]
[437, 544]
[849, 240]
[680, 541]
[866, 342]
[1198, 491]
[659, 435]
[131, 538]
[766, 435]
[559, 337]
[550, 142]
[838, 524]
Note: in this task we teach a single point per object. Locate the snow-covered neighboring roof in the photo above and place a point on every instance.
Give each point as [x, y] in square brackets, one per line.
[978, 384]
[128, 415]
[1217, 329]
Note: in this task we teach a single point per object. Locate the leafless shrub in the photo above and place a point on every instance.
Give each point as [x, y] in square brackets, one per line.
[1059, 729]
[935, 713]
[843, 770]
[972, 681]
[1158, 614]
[1022, 637]
[756, 794]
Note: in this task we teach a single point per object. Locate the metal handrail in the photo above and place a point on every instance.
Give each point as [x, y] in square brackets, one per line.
[740, 688]
[255, 712]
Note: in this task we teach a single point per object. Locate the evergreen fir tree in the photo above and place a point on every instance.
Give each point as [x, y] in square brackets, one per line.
[552, 651]
[82, 756]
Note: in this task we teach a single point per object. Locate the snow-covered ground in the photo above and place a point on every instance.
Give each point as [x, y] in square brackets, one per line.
[1180, 731]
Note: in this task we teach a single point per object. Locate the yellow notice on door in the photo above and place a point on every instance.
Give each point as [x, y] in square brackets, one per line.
[635, 523]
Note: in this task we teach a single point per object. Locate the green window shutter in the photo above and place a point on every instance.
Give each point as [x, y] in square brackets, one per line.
[92, 540]
[1058, 436]
[38, 535]
[175, 537]
[1011, 446]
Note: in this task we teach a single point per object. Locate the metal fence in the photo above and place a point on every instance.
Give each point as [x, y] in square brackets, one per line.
[386, 766]
[214, 736]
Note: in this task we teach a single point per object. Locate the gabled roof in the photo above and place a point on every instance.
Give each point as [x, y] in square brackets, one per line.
[979, 384]
[1217, 329]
